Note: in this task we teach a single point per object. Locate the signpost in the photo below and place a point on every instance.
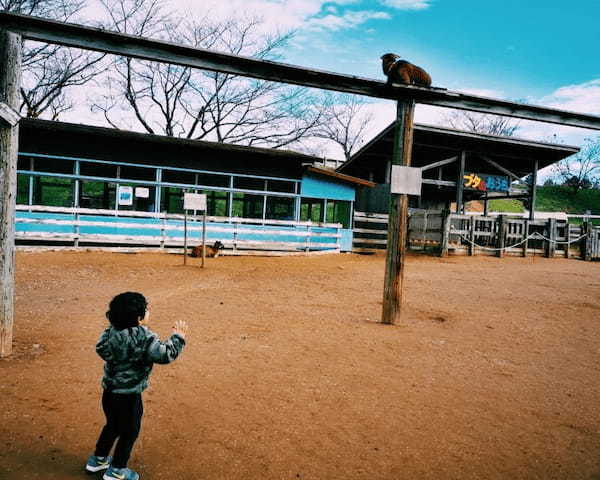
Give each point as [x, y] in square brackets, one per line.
[194, 201]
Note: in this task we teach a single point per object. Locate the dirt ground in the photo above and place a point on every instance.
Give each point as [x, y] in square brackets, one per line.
[493, 372]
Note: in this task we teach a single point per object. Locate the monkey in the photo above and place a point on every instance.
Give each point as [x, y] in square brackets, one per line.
[401, 71]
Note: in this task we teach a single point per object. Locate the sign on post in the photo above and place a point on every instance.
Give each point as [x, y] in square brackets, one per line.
[194, 201]
[406, 180]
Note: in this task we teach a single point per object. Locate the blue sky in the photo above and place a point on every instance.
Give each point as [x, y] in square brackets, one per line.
[522, 48]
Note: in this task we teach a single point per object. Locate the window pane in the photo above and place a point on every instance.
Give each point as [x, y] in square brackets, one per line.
[90, 169]
[23, 163]
[248, 183]
[53, 191]
[280, 208]
[176, 176]
[53, 165]
[311, 209]
[338, 211]
[216, 203]
[213, 180]
[22, 189]
[246, 205]
[138, 173]
[281, 186]
[143, 198]
[171, 200]
[97, 195]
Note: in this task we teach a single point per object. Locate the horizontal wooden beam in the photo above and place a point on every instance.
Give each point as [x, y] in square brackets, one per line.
[439, 164]
[444, 183]
[9, 117]
[78, 36]
[500, 167]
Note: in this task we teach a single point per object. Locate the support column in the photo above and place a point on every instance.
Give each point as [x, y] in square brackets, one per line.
[10, 73]
[533, 190]
[398, 217]
[460, 181]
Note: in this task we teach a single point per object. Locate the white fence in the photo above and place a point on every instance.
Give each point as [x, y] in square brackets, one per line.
[92, 227]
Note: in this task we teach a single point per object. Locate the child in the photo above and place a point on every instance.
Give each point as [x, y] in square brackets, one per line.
[129, 349]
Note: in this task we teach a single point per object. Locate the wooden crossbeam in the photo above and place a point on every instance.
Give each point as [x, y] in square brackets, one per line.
[78, 36]
[444, 183]
[500, 167]
[9, 117]
[439, 164]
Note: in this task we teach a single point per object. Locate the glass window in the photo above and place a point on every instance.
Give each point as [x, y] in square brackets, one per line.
[22, 189]
[177, 176]
[281, 186]
[53, 191]
[99, 195]
[246, 183]
[90, 169]
[213, 180]
[216, 203]
[143, 198]
[246, 205]
[280, 208]
[311, 210]
[23, 163]
[338, 211]
[171, 200]
[53, 165]
[138, 173]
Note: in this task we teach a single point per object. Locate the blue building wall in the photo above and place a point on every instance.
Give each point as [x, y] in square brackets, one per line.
[314, 186]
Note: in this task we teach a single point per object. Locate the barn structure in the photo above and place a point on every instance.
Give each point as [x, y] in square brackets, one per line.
[85, 186]
[452, 161]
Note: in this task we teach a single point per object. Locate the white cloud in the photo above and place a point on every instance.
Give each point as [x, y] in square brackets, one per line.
[346, 21]
[407, 4]
[584, 97]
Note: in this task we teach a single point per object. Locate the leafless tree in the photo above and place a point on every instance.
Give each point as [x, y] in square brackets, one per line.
[179, 101]
[346, 121]
[581, 170]
[49, 70]
[482, 123]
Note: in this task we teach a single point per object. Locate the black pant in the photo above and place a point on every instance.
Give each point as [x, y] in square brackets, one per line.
[123, 420]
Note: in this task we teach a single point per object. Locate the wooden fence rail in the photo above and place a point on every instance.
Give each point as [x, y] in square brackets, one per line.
[470, 234]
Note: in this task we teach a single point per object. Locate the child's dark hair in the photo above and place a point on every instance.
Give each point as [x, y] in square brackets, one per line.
[125, 310]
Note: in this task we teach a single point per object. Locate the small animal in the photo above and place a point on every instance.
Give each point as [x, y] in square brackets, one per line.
[401, 71]
[211, 252]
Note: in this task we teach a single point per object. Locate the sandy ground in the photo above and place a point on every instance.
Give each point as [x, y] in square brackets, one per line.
[493, 372]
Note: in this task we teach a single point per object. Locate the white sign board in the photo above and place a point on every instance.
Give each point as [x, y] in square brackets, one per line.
[142, 192]
[125, 195]
[194, 201]
[406, 180]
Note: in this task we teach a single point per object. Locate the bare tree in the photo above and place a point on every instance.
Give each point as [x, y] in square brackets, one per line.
[581, 170]
[49, 70]
[482, 123]
[346, 121]
[179, 101]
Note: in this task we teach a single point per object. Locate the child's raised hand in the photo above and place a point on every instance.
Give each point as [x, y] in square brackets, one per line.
[181, 328]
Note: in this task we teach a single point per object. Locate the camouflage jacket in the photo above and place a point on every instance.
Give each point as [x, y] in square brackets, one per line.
[130, 354]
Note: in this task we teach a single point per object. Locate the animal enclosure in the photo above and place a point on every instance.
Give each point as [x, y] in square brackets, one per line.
[443, 232]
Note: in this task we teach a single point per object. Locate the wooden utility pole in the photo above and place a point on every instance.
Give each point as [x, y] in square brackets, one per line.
[398, 217]
[10, 73]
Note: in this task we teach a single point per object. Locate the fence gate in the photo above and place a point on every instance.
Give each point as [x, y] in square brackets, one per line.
[593, 244]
